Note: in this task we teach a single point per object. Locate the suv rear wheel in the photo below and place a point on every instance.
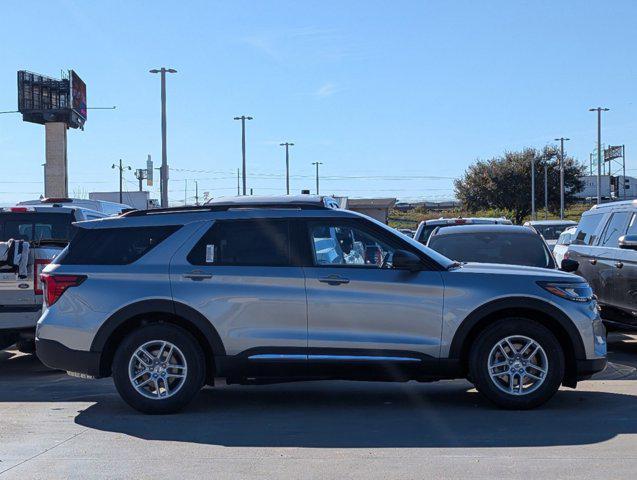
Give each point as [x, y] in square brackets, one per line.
[517, 363]
[159, 368]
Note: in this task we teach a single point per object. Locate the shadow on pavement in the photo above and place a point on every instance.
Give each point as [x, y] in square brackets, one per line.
[338, 414]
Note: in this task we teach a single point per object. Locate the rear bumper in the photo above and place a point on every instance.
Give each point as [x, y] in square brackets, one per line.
[18, 317]
[586, 368]
[55, 355]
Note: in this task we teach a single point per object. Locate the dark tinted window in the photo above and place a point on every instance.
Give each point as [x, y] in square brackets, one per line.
[256, 242]
[114, 246]
[615, 228]
[551, 232]
[36, 226]
[492, 247]
[425, 233]
[585, 234]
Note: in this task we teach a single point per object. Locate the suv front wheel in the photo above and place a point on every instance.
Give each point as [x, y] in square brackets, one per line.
[517, 363]
[159, 368]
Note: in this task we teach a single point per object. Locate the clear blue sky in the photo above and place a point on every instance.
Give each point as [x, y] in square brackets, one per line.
[392, 92]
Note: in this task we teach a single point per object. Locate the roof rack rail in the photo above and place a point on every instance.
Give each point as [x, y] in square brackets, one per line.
[225, 207]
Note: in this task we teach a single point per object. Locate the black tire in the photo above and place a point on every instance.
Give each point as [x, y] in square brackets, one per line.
[192, 384]
[489, 338]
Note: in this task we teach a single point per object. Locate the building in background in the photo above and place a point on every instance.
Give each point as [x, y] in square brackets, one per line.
[377, 208]
[137, 200]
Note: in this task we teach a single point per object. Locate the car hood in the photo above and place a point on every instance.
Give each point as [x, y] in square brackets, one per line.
[503, 269]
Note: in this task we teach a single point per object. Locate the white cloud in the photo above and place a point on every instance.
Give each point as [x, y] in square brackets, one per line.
[326, 90]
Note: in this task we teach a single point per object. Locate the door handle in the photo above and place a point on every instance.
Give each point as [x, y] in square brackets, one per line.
[619, 264]
[593, 261]
[334, 280]
[197, 275]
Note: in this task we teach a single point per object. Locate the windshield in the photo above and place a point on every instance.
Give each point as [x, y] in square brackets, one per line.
[36, 226]
[491, 247]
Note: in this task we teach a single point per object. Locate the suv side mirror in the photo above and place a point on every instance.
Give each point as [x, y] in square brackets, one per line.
[569, 265]
[405, 260]
[628, 242]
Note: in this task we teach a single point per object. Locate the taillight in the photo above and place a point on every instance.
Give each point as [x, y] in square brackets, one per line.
[566, 255]
[56, 285]
[38, 266]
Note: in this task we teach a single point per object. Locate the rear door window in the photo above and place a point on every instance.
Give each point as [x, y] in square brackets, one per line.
[615, 228]
[255, 242]
[114, 246]
[587, 228]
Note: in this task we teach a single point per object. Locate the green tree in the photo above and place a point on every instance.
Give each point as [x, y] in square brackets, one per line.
[504, 182]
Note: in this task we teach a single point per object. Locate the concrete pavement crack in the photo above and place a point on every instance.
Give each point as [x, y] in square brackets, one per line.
[43, 452]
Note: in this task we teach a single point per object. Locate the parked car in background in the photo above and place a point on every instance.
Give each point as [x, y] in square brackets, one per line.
[282, 289]
[47, 229]
[102, 206]
[427, 226]
[407, 231]
[561, 246]
[509, 244]
[550, 229]
[605, 249]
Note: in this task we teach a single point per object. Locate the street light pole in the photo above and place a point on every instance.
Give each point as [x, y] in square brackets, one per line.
[317, 175]
[599, 111]
[243, 119]
[287, 145]
[163, 171]
[562, 140]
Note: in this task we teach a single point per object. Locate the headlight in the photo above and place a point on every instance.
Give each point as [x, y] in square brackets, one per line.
[577, 292]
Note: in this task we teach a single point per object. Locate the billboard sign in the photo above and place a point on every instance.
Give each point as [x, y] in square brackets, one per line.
[149, 172]
[78, 94]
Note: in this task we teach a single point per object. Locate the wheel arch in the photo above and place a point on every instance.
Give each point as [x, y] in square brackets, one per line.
[543, 312]
[130, 317]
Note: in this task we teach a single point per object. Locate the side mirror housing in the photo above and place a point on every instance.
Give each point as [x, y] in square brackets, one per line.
[628, 242]
[405, 260]
[569, 265]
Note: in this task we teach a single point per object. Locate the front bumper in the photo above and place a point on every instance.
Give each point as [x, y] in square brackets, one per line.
[55, 355]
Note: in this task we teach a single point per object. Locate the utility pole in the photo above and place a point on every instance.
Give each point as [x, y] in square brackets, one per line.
[533, 188]
[163, 171]
[599, 111]
[624, 170]
[243, 119]
[238, 184]
[139, 175]
[185, 192]
[317, 175]
[196, 193]
[562, 140]
[287, 145]
[121, 178]
[546, 191]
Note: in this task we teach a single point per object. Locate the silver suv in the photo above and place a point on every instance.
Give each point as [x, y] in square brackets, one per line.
[256, 291]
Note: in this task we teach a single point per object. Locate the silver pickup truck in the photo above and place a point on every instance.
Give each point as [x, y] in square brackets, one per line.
[48, 229]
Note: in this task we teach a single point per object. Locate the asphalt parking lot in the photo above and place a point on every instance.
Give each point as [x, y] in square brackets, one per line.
[55, 426]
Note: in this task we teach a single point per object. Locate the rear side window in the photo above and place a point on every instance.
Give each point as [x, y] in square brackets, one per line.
[492, 247]
[256, 242]
[36, 226]
[114, 246]
[585, 234]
